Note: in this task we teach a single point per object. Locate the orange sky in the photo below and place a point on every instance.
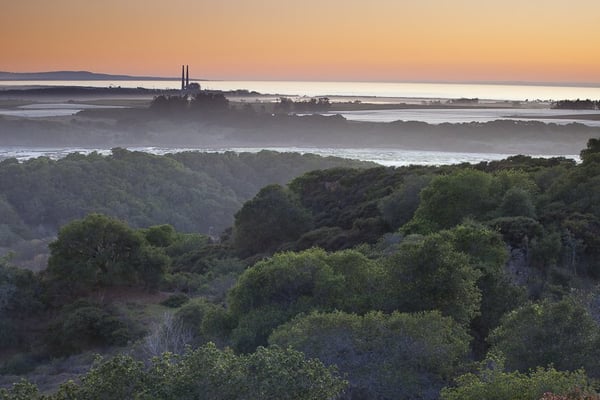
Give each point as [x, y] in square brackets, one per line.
[375, 40]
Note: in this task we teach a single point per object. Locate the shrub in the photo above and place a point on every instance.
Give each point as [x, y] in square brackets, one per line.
[175, 300]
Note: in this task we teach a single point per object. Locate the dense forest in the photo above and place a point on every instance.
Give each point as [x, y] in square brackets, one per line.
[454, 282]
[192, 191]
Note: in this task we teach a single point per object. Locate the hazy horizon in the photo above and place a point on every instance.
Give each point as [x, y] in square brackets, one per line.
[152, 76]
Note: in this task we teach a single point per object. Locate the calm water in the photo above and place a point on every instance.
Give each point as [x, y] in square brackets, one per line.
[358, 89]
[430, 116]
[43, 110]
[457, 116]
[387, 157]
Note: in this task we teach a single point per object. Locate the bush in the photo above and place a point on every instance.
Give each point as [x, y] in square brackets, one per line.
[84, 325]
[492, 383]
[271, 219]
[560, 333]
[204, 373]
[397, 356]
[18, 364]
[175, 300]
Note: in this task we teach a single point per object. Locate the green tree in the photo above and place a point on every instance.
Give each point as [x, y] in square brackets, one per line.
[560, 333]
[20, 291]
[206, 320]
[22, 390]
[487, 254]
[399, 207]
[206, 373]
[517, 202]
[590, 153]
[274, 290]
[82, 325]
[272, 218]
[397, 356]
[449, 199]
[491, 382]
[428, 273]
[100, 251]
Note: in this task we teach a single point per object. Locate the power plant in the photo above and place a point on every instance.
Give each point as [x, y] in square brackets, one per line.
[186, 86]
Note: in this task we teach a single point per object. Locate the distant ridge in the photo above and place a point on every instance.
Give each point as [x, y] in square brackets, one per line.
[75, 76]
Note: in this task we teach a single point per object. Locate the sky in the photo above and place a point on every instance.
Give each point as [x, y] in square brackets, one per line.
[330, 40]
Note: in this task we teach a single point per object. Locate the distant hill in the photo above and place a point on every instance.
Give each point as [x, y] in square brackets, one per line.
[75, 76]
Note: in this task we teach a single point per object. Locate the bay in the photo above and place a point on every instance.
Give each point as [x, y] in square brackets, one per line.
[386, 157]
[466, 115]
[514, 92]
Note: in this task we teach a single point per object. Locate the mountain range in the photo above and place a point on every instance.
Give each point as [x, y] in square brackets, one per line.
[75, 76]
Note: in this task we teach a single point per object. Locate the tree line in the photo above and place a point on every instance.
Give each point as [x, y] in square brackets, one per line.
[576, 104]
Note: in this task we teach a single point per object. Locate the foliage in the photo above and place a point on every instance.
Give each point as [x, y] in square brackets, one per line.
[574, 104]
[205, 101]
[428, 273]
[175, 300]
[397, 356]
[208, 322]
[192, 191]
[575, 394]
[82, 325]
[449, 199]
[21, 390]
[272, 218]
[487, 254]
[20, 296]
[286, 105]
[19, 364]
[399, 207]
[490, 382]
[100, 251]
[276, 289]
[270, 373]
[350, 207]
[593, 148]
[517, 231]
[517, 202]
[560, 333]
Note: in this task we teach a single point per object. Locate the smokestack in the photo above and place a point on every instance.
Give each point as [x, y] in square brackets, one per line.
[182, 78]
[187, 76]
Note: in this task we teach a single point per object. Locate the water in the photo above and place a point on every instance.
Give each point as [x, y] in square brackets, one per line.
[386, 157]
[457, 115]
[393, 157]
[43, 110]
[357, 89]
[430, 116]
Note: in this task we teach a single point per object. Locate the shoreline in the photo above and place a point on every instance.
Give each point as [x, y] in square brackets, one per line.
[137, 97]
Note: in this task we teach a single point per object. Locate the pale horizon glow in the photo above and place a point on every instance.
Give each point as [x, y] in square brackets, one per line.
[327, 40]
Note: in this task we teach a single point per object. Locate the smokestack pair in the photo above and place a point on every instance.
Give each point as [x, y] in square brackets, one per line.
[185, 79]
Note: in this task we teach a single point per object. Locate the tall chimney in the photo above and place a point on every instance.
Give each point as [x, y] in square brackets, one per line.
[182, 78]
[187, 76]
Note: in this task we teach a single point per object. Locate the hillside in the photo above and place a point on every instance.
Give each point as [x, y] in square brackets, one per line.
[457, 282]
[194, 192]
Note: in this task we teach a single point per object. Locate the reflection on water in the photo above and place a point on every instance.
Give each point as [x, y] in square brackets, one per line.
[387, 157]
